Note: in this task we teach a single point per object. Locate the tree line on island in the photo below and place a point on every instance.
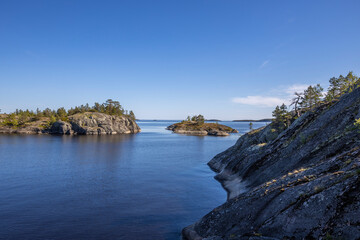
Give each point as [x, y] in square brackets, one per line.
[314, 97]
[199, 119]
[20, 117]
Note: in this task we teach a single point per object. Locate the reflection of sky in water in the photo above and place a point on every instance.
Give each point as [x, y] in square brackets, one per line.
[144, 186]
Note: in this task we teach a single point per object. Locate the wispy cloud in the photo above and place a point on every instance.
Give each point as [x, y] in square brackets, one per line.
[264, 64]
[260, 101]
[280, 95]
[296, 88]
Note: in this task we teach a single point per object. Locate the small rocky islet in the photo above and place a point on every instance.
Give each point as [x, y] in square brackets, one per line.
[201, 129]
[107, 118]
[88, 123]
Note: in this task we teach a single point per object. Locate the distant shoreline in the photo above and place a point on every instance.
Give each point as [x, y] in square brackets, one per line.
[261, 120]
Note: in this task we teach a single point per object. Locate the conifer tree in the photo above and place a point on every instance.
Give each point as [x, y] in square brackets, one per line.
[281, 117]
[312, 96]
[132, 115]
[297, 101]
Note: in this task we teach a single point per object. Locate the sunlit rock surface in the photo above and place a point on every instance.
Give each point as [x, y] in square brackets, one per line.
[88, 123]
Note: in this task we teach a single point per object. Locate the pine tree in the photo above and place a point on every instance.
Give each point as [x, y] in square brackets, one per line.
[312, 96]
[132, 115]
[199, 119]
[61, 113]
[281, 117]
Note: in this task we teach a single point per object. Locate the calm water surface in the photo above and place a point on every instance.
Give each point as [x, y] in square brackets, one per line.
[144, 186]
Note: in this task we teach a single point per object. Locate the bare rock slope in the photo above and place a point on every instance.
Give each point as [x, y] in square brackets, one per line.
[303, 183]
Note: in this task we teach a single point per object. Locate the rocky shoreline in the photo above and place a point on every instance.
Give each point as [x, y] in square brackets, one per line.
[301, 183]
[88, 123]
[203, 129]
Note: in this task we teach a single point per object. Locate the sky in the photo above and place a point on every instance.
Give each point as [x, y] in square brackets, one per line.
[170, 59]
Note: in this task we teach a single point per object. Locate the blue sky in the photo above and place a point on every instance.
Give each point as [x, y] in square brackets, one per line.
[169, 59]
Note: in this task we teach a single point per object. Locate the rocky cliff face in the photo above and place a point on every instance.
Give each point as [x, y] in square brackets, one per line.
[89, 123]
[93, 123]
[303, 183]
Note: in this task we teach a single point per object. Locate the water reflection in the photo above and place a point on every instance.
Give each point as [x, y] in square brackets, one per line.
[106, 148]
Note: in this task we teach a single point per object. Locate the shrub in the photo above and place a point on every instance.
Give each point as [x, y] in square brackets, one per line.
[357, 123]
[52, 119]
[302, 139]
[11, 121]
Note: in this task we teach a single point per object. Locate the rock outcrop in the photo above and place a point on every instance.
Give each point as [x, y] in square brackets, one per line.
[194, 128]
[88, 123]
[302, 183]
[61, 127]
[100, 123]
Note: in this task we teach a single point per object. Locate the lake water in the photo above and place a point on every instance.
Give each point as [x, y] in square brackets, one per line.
[144, 186]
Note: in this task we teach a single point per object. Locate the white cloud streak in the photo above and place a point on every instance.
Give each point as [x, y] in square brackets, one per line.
[296, 88]
[260, 101]
[283, 96]
[264, 64]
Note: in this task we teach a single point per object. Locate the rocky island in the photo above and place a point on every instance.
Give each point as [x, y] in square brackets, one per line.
[197, 126]
[297, 178]
[107, 118]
